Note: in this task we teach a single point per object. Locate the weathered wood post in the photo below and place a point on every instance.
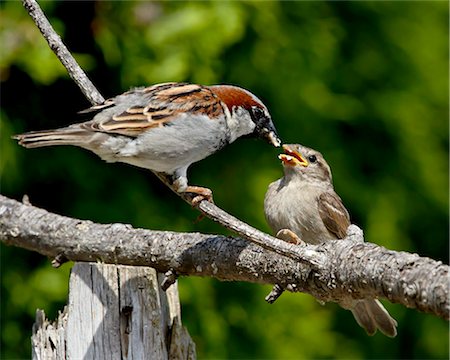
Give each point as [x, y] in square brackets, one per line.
[114, 312]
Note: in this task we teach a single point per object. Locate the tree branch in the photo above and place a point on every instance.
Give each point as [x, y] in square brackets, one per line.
[342, 270]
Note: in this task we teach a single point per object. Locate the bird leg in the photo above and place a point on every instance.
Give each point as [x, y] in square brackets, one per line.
[289, 236]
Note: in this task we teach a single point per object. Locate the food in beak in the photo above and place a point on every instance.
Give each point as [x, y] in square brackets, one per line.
[273, 139]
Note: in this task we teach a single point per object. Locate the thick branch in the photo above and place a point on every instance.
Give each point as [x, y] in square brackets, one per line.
[342, 270]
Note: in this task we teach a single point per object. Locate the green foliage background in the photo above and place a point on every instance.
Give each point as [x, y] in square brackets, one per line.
[366, 83]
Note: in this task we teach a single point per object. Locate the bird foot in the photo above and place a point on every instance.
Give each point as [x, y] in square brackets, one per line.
[289, 236]
[200, 194]
[180, 185]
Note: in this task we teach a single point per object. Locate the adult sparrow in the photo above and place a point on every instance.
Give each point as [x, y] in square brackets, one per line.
[304, 204]
[165, 127]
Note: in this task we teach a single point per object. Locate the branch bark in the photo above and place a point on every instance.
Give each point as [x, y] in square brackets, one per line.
[342, 269]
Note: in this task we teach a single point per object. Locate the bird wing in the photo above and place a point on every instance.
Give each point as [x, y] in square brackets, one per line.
[162, 104]
[334, 215]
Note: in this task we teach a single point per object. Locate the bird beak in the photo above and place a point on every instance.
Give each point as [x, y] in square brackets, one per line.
[292, 157]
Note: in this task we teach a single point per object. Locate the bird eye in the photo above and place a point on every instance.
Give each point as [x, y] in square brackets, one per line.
[259, 118]
[257, 112]
[312, 158]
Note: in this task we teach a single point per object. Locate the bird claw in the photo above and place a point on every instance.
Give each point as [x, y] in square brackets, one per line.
[289, 236]
[201, 194]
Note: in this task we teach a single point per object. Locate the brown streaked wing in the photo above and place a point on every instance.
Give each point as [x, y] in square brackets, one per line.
[165, 102]
[334, 215]
[135, 110]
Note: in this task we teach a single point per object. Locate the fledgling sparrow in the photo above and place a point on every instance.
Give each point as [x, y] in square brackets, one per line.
[165, 127]
[304, 202]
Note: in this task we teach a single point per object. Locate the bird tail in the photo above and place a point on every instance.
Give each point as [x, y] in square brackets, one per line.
[371, 315]
[71, 135]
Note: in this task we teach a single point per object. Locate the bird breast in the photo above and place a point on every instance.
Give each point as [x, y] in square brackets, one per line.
[288, 206]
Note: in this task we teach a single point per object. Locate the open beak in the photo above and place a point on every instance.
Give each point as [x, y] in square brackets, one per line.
[292, 157]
